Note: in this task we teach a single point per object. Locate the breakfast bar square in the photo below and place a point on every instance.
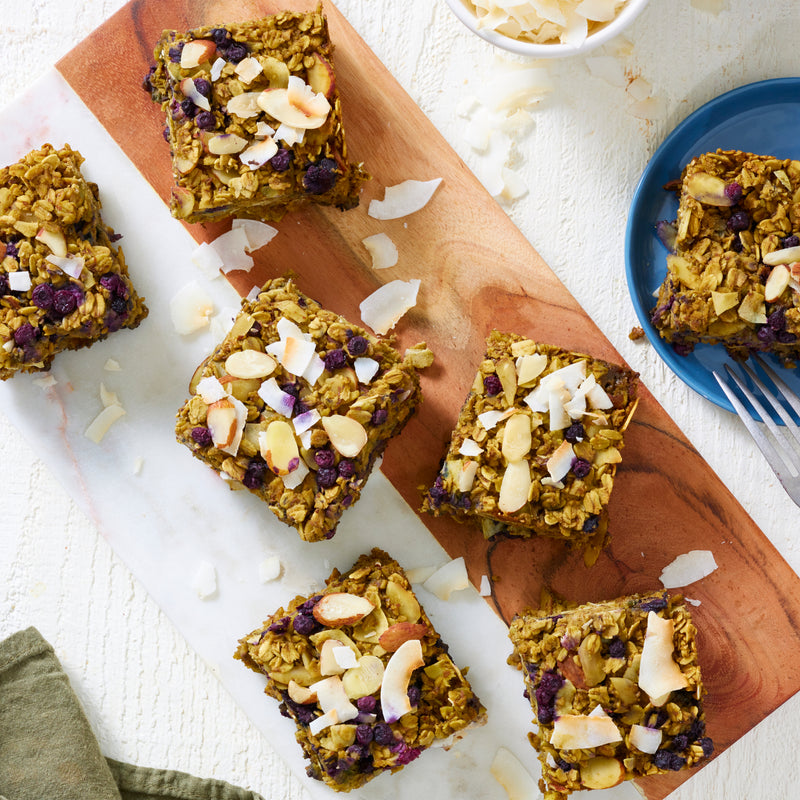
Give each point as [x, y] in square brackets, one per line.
[615, 688]
[363, 674]
[537, 443]
[63, 282]
[253, 118]
[296, 404]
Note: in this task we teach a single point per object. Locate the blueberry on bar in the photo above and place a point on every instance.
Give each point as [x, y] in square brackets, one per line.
[615, 689]
[363, 674]
[537, 443]
[253, 118]
[296, 404]
[63, 281]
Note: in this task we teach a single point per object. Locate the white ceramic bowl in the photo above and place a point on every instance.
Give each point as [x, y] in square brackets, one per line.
[464, 10]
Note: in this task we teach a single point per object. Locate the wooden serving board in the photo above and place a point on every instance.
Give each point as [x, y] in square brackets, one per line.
[479, 272]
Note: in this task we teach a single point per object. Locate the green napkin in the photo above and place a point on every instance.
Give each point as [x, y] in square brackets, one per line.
[48, 750]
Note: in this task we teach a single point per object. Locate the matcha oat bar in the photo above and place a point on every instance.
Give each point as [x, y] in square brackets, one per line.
[253, 118]
[537, 443]
[296, 404]
[363, 674]
[615, 688]
[63, 282]
[734, 278]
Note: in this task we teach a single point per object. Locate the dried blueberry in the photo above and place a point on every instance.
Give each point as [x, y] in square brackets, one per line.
[112, 283]
[206, 121]
[118, 305]
[304, 624]
[437, 493]
[366, 704]
[664, 759]
[202, 436]
[765, 334]
[281, 626]
[791, 241]
[733, 191]
[736, 245]
[680, 742]
[707, 745]
[220, 36]
[64, 302]
[405, 754]
[235, 51]
[335, 359]
[575, 433]
[324, 457]
[616, 648]
[382, 733]
[175, 53]
[656, 604]
[3, 284]
[25, 335]
[255, 329]
[492, 385]
[777, 319]
[254, 474]
[546, 692]
[682, 348]
[784, 337]
[346, 468]
[203, 86]
[379, 416]
[591, 524]
[414, 695]
[581, 467]
[281, 161]
[308, 606]
[42, 296]
[326, 477]
[320, 177]
[565, 766]
[11, 250]
[738, 221]
[188, 107]
[357, 346]
[363, 734]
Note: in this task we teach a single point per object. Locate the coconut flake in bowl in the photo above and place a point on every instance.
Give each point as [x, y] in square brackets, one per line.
[547, 28]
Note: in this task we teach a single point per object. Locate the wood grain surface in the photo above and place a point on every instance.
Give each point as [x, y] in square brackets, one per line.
[479, 272]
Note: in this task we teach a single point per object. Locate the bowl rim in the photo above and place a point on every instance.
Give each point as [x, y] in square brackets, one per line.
[628, 14]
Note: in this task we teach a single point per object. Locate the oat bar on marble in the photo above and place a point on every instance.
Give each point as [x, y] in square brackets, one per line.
[615, 688]
[253, 118]
[296, 404]
[63, 282]
[734, 276]
[363, 674]
[537, 443]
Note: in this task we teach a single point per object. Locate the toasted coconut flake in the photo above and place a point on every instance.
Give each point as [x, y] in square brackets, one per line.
[648, 740]
[490, 419]
[419, 574]
[276, 398]
[466, 471]
[258, 153]
[46, 382]
[385, 306]
[579, 732]
[709, 6]
[688, 568]
[297, 354]
[112, 365]
[486, 587]
[191, 308]
[257, 233]
[659, 675]
[639, 88]
[189, 88]
[289, 135]
[103, 421]
[469, 447]
[451, 577]
[403, 199]
[650, 108]
[559, 464]
[305, 421]
[382, 249]
[394, 687]
[108, 398]
[205, 580]
[232, 248]
[207, 260]
[211, 390]
[248, 69]
[244, 105]
[69, 265]
[296, 476]
[509, 772]
[319, 724]
[216, 69]
[365, 369]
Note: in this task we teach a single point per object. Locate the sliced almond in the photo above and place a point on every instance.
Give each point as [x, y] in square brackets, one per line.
[279, 447]
[403, 602]
[602, 772]
[515, 487]
[507, 372]
[579, 732]
[752, 308]
[465, 472]
[341, 608]
[776, 283]
[395, 635]
[226, 144]
[707, 189]
[54, 239]
[530, 367]
[301, 694]
[364, 679]
[221, 421]
[348, 436]
[723, 301]
[786, 256]
[196, 52]
[517, 437]
[249, 364]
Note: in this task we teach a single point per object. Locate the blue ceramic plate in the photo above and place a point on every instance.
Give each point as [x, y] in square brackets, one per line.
[762, 118]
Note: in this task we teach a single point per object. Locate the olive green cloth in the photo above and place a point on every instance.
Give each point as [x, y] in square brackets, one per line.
[48, 750]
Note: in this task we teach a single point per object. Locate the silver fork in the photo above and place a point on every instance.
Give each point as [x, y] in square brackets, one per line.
[782, 456]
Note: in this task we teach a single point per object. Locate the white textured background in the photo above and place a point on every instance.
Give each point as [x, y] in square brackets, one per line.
[149, 698]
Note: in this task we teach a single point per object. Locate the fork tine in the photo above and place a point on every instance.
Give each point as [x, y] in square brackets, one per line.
[778, 456]
[791, 428]
[791, 398]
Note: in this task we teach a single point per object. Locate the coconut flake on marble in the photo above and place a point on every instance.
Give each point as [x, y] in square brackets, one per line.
[709, 6]
[138, 463]
[204, 581]
[207, 260]
[101, 424]
[222, 323]
[269, 569]
[688, 568]
[382, 310]
[108, 398]
[420, 574]
[232, 248]
[190, 308]
[509, 772]
[451, 577]
[382, 250]
[46, 382]
[609, 69]
[403, 199]
[112, 365]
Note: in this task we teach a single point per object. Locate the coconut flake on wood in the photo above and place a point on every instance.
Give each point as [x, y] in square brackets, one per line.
[451, 577]
[509, 772]
[403, 199]
[385, 306]
[190, 308]
[382, 249]
[486, 587]
[232, 249]
[688, 568]
[257, 233]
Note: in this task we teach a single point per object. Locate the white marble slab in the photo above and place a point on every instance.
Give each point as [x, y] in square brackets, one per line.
[168, 518]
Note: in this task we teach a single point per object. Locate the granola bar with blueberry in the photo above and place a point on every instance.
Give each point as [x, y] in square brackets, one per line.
[733, 276]
[64, 283]
[363, 674]
[615, 688]
[537, 443]
[296, 404]
[253, 118]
